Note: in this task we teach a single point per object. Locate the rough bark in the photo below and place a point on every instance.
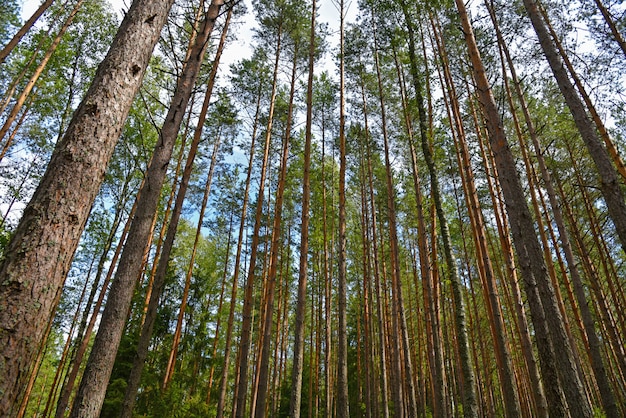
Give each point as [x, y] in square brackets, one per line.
[597, 364]
[38, 257]
[100, 364]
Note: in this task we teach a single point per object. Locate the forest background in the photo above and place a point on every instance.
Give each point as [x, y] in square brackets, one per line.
[403, 208]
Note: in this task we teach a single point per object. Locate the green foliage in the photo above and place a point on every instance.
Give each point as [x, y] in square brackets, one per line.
[9, 19]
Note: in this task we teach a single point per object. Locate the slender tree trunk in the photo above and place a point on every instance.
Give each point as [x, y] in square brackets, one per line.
[609, 184]
[534, 273]
[382, 333]
[85, 337]
[218, 322]
[298, 347]
[342, 349]
[365, 260]
[167, 215]
[401, 344]
[161, 269]
[327, 284]
[602, 131]
[433, 343]
[503, 357]
[231, 315]
[19, 102]
[611, 23]
[470, 406]
[94, 382]
[6, 50]
[276, 240]
[246, 326]
[592, 271]
[398, 388]
[16, 128]
[171, 364]
[38, 257]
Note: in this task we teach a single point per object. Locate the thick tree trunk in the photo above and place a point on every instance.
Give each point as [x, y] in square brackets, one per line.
[597, 364]
[38, 257]
[98, 370]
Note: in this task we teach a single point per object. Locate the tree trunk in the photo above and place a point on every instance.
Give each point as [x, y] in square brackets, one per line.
[159, 274]
[246, 326]
[539, 398]
[38, 257]
[298, 346]
[399, 332]
[599, 370]
[6, 50]
[19, 102]
[470, 406]
[231, 315]
[98, 370]
[502, 354]
[604, 134]
[611, 23]
[169, 371]
[342, 332]
[273, 262]
[609, 184]
[545, 311]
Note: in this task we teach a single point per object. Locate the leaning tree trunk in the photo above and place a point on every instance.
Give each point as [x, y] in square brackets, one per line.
[546, 316]
[37, 259]
[21, 99]
[479, 234]
[611, 23]
[609, 182]
[6, 50]
[93, 386]
[597, 365]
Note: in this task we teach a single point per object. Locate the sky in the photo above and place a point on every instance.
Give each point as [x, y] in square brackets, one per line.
[241, 48]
